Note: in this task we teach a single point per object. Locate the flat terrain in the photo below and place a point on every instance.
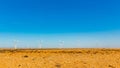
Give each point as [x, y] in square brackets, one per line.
[60, 58]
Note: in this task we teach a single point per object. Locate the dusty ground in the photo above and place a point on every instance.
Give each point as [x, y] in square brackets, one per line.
[60, 58]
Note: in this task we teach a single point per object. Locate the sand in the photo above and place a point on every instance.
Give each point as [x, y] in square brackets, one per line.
[60, 58]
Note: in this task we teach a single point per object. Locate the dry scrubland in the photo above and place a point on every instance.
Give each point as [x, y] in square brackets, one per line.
[60, 58]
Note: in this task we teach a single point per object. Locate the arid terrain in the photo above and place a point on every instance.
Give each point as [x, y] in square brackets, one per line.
[60, 58]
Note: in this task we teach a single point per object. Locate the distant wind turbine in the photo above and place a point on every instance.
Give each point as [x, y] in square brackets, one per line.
[15, 44]
[61, 43]
[40, 43]
[78, 43]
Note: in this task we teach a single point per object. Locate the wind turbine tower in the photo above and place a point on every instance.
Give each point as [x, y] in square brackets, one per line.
[15, 44]
[40, 44]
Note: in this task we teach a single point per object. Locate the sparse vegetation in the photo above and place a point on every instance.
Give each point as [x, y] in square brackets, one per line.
[58, 65]
[60, 58]
[111, 66]
[25, 56]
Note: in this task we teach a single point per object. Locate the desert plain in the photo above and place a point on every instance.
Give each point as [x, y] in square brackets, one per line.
[60, 58]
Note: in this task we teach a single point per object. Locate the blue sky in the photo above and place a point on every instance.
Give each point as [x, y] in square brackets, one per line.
[68, 20]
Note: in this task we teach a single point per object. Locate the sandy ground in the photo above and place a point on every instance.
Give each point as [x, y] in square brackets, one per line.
[60, 58]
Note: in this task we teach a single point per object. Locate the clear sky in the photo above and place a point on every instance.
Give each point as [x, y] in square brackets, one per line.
[52, 20]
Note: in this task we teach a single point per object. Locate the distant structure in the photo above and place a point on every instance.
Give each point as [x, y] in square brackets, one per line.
[97, 43]
[61, 43]
[78, 43]
[15, 44]
[40, 43]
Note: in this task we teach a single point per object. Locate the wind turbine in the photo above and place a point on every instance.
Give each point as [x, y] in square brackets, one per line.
[78, 43]
[40, 43]
[61, 43]
[97, 43]
[15, 44]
